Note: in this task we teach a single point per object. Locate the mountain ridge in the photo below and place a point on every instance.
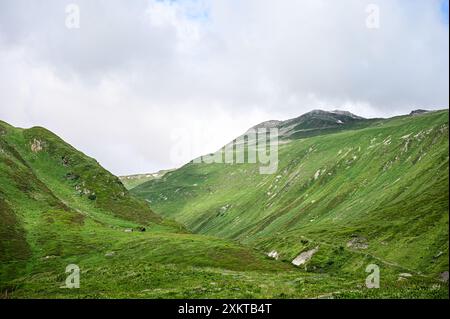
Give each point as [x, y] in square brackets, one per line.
[320, 177]
[300, 233]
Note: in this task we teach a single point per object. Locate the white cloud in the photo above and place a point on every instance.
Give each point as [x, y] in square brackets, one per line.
[136, 71]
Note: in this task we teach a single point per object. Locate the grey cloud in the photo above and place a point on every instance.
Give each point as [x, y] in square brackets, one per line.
[136, 70]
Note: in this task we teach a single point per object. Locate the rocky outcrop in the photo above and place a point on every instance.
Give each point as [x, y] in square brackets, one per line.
[37, 146]
[304, 257]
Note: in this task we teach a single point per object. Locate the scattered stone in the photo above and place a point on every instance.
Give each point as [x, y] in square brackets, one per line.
[304, 257]
[128, 230]
[273, 254]
[358, 243]
[72, 176]
[110, 254]
[439, 254]
[65, 161]
[49, 257]
[223, 210]
[444, 276]
[317, 174]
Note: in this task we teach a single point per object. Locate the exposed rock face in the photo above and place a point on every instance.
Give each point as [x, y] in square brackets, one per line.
[37, 146]
[418, 112]
[347, 113]
[314, 120]
[444, 276]
[304, 257]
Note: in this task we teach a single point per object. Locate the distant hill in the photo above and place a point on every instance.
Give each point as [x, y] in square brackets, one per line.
[316, 122]
[131, 181]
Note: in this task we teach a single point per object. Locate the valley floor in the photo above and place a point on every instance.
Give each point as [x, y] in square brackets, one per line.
[160, 263]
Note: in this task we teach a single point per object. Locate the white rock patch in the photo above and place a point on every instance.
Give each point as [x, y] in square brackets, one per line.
[274, 254]
[304, 257]
[317, 174]
[37, 146]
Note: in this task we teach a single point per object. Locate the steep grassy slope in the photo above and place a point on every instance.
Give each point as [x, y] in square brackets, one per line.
[375, 189]
[58, 207]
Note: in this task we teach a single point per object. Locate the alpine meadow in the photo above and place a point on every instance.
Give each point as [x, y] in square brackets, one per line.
[349, 193]
[217, 158]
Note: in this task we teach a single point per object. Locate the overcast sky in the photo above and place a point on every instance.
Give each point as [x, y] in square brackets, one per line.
[139, 78]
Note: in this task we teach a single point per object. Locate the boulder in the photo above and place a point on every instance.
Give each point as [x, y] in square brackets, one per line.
[304, 257]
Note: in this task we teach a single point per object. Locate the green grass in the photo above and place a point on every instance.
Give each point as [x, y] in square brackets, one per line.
[386, 182]
[58, 207]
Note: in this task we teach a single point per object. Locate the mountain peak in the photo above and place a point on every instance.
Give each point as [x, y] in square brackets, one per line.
[418, 112]
[312, 122]
[331, 113]
[347, 113]
[267, 124]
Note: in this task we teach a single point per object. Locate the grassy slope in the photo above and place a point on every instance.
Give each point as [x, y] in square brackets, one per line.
[49, 219]
[386, 183]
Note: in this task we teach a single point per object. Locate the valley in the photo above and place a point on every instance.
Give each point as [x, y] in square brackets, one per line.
[349, 192]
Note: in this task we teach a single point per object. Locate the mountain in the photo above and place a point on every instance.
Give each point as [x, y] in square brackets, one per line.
[60, 207]
[346, 189]
[316, 122]
[313, 238]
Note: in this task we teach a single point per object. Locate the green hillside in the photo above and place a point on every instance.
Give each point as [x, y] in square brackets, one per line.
[366, 189]
[60, 207]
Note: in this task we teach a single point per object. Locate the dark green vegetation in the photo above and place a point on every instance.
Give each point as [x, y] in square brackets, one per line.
[368, 190]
